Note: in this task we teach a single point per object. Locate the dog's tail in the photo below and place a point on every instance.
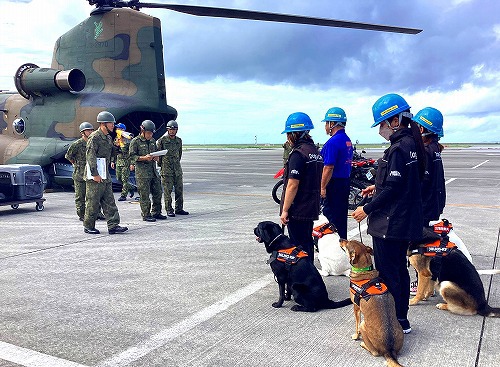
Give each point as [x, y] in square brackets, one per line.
[489, 311]
[391, 360]
[338, 304]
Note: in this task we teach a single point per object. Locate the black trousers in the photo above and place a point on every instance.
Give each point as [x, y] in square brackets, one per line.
[300, 233]
[390, 261]
[337, 203]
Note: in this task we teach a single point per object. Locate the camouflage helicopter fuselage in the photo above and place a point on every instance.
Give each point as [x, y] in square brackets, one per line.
[111, 61]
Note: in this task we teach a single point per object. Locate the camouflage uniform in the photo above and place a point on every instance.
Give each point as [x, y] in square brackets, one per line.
[171, 171]
[146, 176]
[76, 154]
[98, 194]
[122, 167]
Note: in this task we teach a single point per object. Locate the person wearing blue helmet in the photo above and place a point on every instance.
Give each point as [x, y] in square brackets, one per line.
[299, 206]
[430, 121]
[395, 211]
[121, 163]
[335, 181]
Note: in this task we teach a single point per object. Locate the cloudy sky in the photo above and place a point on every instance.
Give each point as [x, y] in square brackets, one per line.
[235, 81]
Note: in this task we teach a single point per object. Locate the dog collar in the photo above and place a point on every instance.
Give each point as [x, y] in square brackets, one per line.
[275, 238]
[360, 270]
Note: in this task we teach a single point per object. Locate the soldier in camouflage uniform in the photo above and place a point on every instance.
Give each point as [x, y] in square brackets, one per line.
[122, 161]
[171, 171]
[76, 155]
[99, 190]
[146, 176]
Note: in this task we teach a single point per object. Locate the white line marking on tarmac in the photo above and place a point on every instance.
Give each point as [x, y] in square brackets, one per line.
[480, 164]
[160, 339]
[450, 180]
[31, 358]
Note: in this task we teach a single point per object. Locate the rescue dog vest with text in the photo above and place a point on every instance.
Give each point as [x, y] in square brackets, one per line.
[366, 288]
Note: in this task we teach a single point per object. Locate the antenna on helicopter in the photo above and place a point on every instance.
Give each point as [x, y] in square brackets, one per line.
[206, 11]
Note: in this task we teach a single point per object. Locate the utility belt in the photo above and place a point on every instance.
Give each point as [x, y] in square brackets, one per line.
[367, 288]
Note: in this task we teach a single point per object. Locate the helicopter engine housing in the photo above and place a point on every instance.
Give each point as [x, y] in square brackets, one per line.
[32, 81]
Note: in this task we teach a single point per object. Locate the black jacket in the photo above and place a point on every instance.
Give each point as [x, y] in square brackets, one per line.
[433, 187]
[305, 206]
[396, 209]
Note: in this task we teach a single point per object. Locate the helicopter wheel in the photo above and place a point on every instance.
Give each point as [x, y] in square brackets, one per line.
[39, 207]
[15, 206]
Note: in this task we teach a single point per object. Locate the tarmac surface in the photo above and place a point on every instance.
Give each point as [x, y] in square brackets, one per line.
[196, 290]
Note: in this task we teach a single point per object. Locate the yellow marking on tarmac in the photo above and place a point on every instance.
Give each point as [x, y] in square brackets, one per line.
[475, 206]
[226, 194]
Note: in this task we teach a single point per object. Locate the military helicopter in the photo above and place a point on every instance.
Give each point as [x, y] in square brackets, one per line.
[113, 61]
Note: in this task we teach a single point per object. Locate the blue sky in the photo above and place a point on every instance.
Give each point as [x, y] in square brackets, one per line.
[234, 80]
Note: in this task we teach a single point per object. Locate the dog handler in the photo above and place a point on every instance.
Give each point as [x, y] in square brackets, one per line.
[335, 181]
[430, 121]
[299, 206]
[395, 212]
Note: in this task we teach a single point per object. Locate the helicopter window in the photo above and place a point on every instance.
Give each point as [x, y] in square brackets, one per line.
[18, 125]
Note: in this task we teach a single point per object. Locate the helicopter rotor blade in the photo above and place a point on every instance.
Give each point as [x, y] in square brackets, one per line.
[206, 11]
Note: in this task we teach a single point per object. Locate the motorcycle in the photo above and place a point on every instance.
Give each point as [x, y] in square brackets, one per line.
[362, 175]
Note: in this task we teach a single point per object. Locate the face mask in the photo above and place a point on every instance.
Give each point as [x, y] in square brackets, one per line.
[385, 131]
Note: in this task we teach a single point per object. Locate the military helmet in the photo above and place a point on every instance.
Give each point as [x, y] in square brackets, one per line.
[298, 121]
[105, 116]
[86, 126]
[431, 119]
[172, 124]
[387, 106]
[336, 114]
[121, 126]
[148, 125]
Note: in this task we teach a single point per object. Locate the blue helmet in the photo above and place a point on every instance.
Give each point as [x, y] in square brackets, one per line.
[335, 114]
[298, 121]
[387, 106]
[431, 119]
[121, 126]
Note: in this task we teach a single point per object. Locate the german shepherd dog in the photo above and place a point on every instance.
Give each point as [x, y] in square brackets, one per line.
[296, 276]
[458, 280]
[380, 330]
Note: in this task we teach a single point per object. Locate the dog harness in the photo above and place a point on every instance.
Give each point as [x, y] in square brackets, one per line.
[442, 228]
[366, 288]
[323, 229]
[289, 256]
[440, 247]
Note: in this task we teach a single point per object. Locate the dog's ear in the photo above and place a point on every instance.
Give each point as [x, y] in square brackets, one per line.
[369, 250]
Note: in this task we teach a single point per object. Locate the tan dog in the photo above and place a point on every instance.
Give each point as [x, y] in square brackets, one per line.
[458, 280]
[380, 330]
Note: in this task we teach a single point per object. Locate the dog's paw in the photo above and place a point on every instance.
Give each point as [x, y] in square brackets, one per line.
[277, 304]
[414, 301]
[324, 273]
[355, 336]
[442, 306]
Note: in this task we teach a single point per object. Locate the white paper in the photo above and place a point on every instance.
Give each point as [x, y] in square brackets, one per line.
[159, 153]
[101, 169]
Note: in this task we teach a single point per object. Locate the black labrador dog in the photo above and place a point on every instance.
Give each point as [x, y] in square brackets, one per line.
[295, 276]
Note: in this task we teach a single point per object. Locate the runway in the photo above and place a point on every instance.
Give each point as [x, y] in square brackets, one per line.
[196, 290]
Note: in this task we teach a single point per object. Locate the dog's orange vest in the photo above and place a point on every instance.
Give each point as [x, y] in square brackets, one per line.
[436, 248]
[366, 288]
[323, 229]
[289, 256]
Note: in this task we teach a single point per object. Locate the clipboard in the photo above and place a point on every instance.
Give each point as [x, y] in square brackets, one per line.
[101, 169]
[159, 153]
